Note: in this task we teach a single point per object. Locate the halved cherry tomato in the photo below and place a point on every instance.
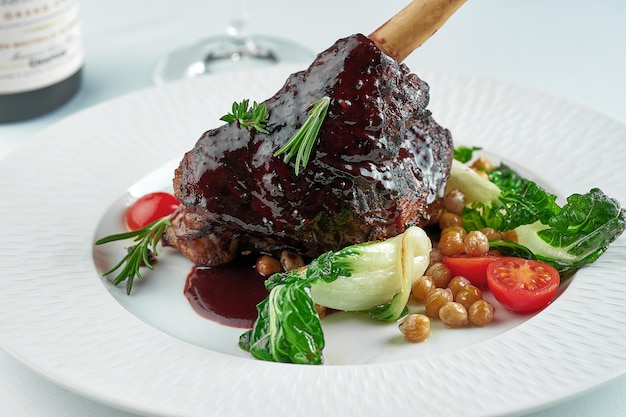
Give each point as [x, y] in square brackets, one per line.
[474, 268]
[149, 208]
[521, 285]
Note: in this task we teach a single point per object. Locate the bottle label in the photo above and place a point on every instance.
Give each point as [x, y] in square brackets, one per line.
[40, 43]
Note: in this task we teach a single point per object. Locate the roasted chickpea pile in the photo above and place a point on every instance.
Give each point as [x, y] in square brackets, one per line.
[452, 299]
[267, 264]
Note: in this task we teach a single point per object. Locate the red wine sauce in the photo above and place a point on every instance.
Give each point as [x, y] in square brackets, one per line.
[227, 294]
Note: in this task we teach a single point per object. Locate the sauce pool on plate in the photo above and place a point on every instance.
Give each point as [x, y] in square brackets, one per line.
[227, 294]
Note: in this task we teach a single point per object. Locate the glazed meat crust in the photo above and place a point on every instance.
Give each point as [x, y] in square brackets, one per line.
[379, 165]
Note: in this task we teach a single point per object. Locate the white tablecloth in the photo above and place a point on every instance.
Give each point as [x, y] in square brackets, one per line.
[574, 49]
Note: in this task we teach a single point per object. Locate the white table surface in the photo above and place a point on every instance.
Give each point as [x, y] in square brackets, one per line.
[574, 49]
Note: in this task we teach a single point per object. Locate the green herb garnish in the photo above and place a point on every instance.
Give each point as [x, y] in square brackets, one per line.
[254, 117]
[302, 142]
[141, 254]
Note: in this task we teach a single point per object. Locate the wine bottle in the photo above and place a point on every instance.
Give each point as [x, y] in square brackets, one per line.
[41, 56]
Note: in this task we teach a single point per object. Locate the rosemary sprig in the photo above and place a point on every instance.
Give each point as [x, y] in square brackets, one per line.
[139, 254]
[302, 142]
[254, 117]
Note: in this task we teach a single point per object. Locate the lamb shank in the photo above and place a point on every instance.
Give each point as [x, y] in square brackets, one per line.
[379, 165]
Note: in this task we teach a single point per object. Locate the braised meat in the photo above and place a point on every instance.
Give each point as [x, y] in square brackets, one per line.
[379, 165]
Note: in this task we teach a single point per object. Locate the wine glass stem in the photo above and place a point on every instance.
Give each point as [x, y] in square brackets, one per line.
[237, 30]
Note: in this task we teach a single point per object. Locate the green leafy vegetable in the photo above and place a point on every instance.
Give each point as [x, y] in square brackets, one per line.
[254, 117]
[143, 253]
[288, 328]
[372, 277]
[302, 142]
[566, 237]
[464, 154]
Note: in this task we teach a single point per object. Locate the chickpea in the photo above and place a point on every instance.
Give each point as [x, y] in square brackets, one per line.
[421, 287]
[454, 201]
[460, 230]
[267, 265]
[415, 327]
[468, 295]
[483, 164]
[453, 314]
[475, 243]
[451, 243]
[456, 283]
[481, 313]
[482, 173]
[435, 256]
[448, 219]
[290, 260]
[491, 233]
[510, 236]
[435, 300]
[440, 274]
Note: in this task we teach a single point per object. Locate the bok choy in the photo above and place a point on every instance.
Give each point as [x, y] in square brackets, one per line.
[567, 237]
[374, 277]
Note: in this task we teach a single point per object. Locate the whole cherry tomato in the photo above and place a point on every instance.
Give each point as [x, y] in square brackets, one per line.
[149, 208]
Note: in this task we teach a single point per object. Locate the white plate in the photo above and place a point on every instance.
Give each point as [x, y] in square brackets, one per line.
[149, 354]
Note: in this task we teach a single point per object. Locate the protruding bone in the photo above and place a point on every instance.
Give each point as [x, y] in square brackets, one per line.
[412, 26]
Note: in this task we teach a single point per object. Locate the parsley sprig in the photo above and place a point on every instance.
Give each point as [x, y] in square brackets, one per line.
[254, 117]
[143, 253]
[302, 142]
